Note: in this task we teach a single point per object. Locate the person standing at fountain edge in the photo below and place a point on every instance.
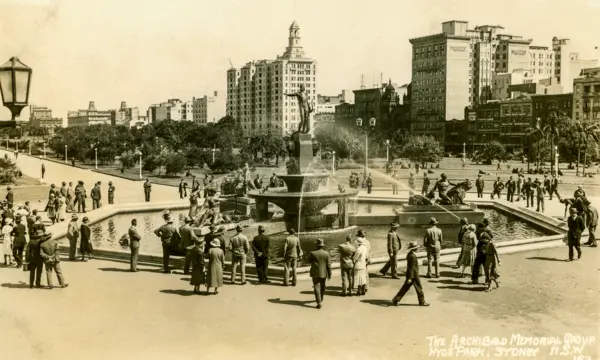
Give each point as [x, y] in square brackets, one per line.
[393, 245]
[320, 270]
[369, 183]
[96, 195]
[73, 236]
[576, 226]
[426, 182]
[216, 260]
[412, 277]
[510, 189]
[134, 245]
[85, 245]
[497, 188]
[111, 193]
[50, 253]
[346, 251]
[464, 223]
[292, 252]
[239, 247]
[480, 185]
[147, 190]
[554, 187]
[433, 244]
[260, 247]
[484, 235]
[166, 233]
[304, 108]
[187, 239]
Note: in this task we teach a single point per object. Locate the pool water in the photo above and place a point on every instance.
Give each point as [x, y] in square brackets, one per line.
[106, 234]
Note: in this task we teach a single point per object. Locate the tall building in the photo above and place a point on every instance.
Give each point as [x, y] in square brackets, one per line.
[255, 92]
[173, 109]
[325, 109]
[209, 109]
[124, 115]
[586, 96]
[379, 103]
[567, 64]
[41, 116]
[89, 116]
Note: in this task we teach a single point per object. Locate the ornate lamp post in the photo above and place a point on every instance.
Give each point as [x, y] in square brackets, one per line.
[66, 154]
[333, 162]
[372, 122]
[213, 154]
[96, 157]
[387, 150]
[556, 152]
[464, 154]
[44, 150]
[139, 153]
[15, 81]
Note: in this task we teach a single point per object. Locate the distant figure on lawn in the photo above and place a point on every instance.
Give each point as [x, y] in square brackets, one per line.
[147, 190]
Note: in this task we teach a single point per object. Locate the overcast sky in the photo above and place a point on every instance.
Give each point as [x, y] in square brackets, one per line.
[146, 51]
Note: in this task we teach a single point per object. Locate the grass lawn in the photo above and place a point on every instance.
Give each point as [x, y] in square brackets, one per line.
[28, 189]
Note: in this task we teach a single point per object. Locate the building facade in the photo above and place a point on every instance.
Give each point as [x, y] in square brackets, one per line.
[256, 92]
[209, 109]
[567, 64]
[41, 116]
[90, 116]
[483, 125]
[173, 109]
[125, 115]
[514, 123]
[586, 96]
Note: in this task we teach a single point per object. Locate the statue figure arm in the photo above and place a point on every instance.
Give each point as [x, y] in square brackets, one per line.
[290, 95]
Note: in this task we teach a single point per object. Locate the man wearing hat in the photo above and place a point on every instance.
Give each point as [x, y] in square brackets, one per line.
[187, 240]
[292, 252]
[134, 245]
[592, 223]
[147, 190]
[412, 277]
[346, 251]
[34, 257]
[70, 198]
[576, 226]
[167, 234]
[63, 189]
[50, 252]
[239, 247]
[80, 196]
[73, 236]
[433, 245]
[320, 270]
[85, 246]
[96, 196]
[19, 242]
[260, 248]
[208, 238]
[479, 184]
[393, 246]
[111, 193]
[10, 196]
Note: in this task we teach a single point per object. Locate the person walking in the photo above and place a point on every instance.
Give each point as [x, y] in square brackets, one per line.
[43, 171]
[483, 237]
[51, 208]
[539, 193]
[50, 253]
[492, 261]
[433, 244]
[346, 251]
[147, 190]
[196, 252]
[73, 236]
[468, 249]
[360, 266]
[19, 240]
[187, 240]
[239, 247]
[96, 195]
[393, 246]
[426, 182]
[412, 277]
[134, 245]
[576, 226]
[70, 198]
[479, 184]
[80, 196]
[167, 234]
[182, 189]
[529, 189]
[320, 270]
[292, 252]
[554, 187]
[85, 245]
[216, 258]
[63, 189]
[260, 248]
[34, 257]
[111, 193]
[510, 189]
[592, 223]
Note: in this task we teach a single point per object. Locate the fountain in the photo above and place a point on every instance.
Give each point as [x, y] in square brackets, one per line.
[304, 199]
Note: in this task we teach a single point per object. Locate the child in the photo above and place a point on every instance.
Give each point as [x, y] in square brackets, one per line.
[7, 245]
[492, 261]
[197, 259]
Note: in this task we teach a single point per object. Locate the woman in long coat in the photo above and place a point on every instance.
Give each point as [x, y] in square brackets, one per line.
[360, 267]
[197, 259]
[214, 274]
[468, 252]
[62, 208]
[51, 208]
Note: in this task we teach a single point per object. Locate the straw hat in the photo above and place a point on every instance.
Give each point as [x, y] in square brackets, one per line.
[412, 246]
[471, 227]
[464, 221]
[74, 217]
[573, 210]
[238, 227]
[187, 219]
[215, 243]
[433, 221]
[221, 230]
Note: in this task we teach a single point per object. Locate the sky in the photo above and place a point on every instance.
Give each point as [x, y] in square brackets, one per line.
[147, 51]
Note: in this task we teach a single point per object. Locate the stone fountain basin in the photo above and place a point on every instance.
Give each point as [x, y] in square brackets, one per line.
[304, 182]
[307, 203]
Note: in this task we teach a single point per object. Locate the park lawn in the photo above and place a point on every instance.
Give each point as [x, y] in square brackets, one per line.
[28, 189]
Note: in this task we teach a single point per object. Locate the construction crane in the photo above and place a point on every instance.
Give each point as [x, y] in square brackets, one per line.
[230, 63]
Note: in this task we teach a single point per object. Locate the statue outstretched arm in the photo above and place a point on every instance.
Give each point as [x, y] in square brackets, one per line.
[290, 95]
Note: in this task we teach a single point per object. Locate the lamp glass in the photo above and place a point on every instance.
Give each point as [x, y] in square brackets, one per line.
[6, 85]
[372, 121]
[21, 85]
[359, 122]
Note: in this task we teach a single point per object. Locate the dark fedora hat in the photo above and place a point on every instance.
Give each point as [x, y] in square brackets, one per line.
[433, 221]
[320, 243]
[394, 224]
[361, 233]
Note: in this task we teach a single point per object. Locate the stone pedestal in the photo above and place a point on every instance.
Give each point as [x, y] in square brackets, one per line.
[342, 213]
[241, 205]
[262, 210]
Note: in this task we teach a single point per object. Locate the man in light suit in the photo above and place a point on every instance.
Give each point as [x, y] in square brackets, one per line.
[320, 270]
[346, 251]
[187, 239]
[393, 244]
[134, 245]
[51, 255]
[412, 277]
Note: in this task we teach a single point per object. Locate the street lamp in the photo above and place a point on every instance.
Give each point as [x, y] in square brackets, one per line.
[44, 150]
[372, 122]
[15, 81]
[65, 154]
[556, 152]
[213, 154]
[464, 150]
[96, 156]
[387, 150]
[139, 153]
[333, 162]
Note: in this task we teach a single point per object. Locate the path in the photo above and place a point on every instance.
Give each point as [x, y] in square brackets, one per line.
[108, 313]
[56, 173]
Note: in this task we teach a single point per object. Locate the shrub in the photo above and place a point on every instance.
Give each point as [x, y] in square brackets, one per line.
[175, 163]
[150, 163]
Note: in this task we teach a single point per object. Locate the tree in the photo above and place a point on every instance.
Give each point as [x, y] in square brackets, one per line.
[225, 162]
[175, 163]
[490, 152]
[587, 132]
[335, 138]
[128, 159]
[422, 149]
[552, 126]
[8, 170]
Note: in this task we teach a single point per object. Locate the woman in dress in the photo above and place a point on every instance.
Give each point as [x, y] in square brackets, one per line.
[61, 212]
[469, 243]
[360, 266]
[197, 258]
[86, 239]
[492, 261]
[51, 208]
[215, 266]
[7, 242]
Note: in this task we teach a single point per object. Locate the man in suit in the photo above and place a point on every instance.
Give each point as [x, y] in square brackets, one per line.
[73, 236]
[18, 233]
[49, 251]
[80, 196]
[576, 226]
[592, 223]
[529, 189]
[96, 195]
[433, 244]
[393, 246]
[187, 239]
[479, 184]
[239, 247]
[320, 270]
[426, 182]
[34, 257]
[346, 251]
[292, 252]
[63, 189]
[134, 245]
[260, 247]
[510, 189]
[70, 198]
[111, 193]
[147, 190]
[166, 233]
[412, 277]
[554, 187]
[519, 186]
[497, 188]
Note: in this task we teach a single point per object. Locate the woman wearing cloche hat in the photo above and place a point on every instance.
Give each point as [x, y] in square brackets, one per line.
[216, 258]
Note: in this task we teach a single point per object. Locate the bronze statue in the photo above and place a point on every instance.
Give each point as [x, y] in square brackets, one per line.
[442, 186]
[305, 109]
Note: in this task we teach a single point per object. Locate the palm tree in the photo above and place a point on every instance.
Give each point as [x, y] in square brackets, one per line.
[587, 132]
[536, 132]
[551, 127]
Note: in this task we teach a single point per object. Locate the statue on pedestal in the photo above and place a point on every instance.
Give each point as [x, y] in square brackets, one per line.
[304, 108]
